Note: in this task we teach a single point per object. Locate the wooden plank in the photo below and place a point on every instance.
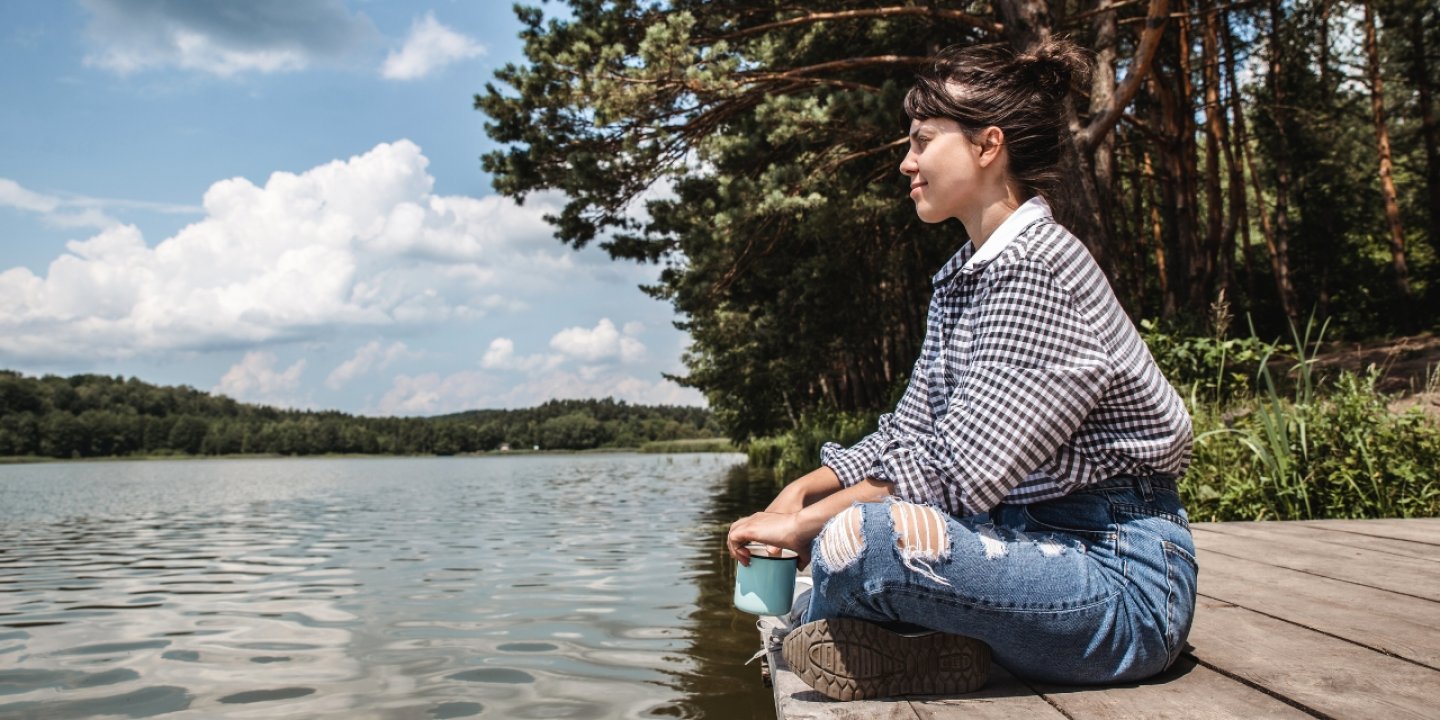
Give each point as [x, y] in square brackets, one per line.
[1186, 690]
[1003, 698]
[1401, 625]
[1364, 567]
[1421, 530]
[794, 700]
[1325, 674]
[1423, 552]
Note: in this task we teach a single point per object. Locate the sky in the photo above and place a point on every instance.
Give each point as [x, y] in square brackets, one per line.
[283, 202]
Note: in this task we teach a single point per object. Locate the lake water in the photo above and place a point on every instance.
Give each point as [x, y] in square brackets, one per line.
[557, 586]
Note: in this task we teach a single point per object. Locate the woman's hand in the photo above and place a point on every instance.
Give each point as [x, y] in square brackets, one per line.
[776, 529]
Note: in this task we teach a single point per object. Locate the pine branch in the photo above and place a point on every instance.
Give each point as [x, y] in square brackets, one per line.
[978, 23]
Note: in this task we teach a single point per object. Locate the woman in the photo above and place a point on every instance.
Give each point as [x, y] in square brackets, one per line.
[1022, 494]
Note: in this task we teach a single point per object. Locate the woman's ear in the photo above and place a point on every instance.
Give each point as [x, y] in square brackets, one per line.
[992, 141]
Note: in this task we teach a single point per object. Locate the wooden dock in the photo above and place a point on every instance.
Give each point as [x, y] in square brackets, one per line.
[1329, 618]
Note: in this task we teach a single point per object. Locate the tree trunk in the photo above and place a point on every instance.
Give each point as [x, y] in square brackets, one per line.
[1280, 247]
[1157, 237]
[1077, 205]
[1236, 159]
[1382, 141]
[1429, 128]
[1219, 243]
[1173, 121]
[1325, 6]
[1102, 95]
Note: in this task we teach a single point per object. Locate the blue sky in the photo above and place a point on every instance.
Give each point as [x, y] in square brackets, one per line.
[282, 201]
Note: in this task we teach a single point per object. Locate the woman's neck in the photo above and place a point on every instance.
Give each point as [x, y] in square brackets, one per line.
[990, 214]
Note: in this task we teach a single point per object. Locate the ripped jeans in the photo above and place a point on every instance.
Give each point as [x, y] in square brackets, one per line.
[1094, 587]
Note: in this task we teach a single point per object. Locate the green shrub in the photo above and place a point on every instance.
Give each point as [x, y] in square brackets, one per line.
[1215, 369]
[798, 451]
[699, 445]
[1326, 451]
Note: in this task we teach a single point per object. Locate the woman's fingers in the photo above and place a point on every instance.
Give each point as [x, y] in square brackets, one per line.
[736, 542]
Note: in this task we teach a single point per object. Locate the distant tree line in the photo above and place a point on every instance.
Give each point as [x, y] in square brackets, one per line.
[102, 416]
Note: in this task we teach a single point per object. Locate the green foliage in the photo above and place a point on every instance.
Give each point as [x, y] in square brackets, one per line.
[1218, 369]
[751, 149]
[1341, 455]
[798, 451]
[788, 248]
[703, 445]
[100, 416]
[1323, 451]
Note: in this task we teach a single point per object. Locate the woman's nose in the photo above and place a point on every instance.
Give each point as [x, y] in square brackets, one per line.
[909, 166]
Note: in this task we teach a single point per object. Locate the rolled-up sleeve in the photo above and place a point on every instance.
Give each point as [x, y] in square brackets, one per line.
[857, 462]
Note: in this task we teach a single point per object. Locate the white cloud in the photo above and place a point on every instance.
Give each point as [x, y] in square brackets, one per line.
[222, 38]
[500, 355]
[254, 379]
[373, 355]
[429, 47]
[13, 195]
[602, 342]
[65, 212]
[360, 243]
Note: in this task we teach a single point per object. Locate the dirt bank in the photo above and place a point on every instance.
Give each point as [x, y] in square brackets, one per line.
[1409, 368]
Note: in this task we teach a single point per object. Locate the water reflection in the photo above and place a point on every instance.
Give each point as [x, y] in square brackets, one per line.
[580, 586]
[721, 685]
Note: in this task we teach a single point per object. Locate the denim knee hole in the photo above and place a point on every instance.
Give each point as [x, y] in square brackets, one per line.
[921, 538]
[842, 539]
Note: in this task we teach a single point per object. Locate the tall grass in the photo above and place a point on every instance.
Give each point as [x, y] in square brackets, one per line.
[700, 445]
[1305, 447]
[798, 451]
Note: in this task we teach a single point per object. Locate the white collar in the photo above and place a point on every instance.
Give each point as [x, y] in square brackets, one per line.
[1033, 209]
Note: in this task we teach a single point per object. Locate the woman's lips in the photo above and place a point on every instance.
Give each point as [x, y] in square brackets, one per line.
[916, 188]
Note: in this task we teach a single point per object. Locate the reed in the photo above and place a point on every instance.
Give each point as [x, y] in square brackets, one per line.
[1306, 447]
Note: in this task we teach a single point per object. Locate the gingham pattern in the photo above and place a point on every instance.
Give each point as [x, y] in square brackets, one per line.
[1032, 383]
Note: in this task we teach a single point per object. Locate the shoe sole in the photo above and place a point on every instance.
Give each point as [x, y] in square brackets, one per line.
[848, 659]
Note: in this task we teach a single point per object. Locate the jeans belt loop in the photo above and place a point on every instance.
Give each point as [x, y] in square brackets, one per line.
[1146, 488]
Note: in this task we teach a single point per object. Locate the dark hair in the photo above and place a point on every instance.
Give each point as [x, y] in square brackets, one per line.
[1023, 94]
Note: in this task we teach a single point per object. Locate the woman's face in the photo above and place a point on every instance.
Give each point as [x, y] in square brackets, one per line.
[943, 167]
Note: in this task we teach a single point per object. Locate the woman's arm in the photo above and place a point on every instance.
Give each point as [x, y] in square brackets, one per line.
[794, 531]
[808, 488]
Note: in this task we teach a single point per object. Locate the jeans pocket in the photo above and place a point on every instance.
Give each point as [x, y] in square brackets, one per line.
[1180, 575]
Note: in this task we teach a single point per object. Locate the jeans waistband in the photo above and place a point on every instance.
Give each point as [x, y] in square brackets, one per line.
[1137, 482]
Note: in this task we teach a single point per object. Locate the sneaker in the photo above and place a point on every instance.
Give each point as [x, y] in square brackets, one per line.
[848, 659]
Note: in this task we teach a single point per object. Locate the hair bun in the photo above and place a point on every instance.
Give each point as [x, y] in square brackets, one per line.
[1053, 65]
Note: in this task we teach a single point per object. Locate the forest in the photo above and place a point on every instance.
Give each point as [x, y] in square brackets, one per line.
[1254, 176]
[1280, 157]
[88, 416]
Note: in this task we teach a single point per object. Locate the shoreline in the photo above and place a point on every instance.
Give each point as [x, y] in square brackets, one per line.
[704, 446]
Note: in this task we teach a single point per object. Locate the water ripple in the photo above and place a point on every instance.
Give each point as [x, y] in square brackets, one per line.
[527, 587]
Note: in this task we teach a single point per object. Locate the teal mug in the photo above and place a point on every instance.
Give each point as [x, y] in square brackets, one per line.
[767, 585]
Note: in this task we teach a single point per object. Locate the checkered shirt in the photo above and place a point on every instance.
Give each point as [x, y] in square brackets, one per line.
[1031, 383]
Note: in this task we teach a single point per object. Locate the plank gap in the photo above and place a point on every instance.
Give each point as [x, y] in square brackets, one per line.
[1328, 528]
[1261, 688]
[1287, 535]
[1046, 698]
[1326, 633]
[1319, 575]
